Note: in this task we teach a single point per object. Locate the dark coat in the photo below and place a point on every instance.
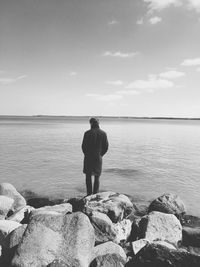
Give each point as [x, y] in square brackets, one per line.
[94, 146]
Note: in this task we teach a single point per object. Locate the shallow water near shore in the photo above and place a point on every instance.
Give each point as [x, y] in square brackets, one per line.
[146, 158]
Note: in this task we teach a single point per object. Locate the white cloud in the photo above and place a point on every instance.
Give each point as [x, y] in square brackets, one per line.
[171, 74]
[161, 4]
[194, 4]
[73, 73]
[119, 54]
[5, 81]
[115, 83]
[113, 22]
[106, 98]
[155, 20]
[198, 69]
[21, 77]
[140, 21]
[129, 92]
[153, 83]
[191, 62]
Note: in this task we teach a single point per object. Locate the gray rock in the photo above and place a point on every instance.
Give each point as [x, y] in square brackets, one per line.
[19, 215]
[103, 227]
[154, 255]
[161, 226]
[191, 236]
[168, 203]
[116, 206]
[123, 231]
[9, 190]
[108, 254]
[52, 236]
[7, 227]
[6, 204]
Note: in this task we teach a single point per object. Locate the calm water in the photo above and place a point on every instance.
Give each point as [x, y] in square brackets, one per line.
[146, 158]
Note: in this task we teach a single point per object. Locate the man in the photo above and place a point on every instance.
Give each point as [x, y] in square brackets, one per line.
[94, 147]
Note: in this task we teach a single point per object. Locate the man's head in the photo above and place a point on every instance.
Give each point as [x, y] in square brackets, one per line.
[94, 122]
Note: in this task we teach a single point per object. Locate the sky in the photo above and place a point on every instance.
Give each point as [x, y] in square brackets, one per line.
[100, 57]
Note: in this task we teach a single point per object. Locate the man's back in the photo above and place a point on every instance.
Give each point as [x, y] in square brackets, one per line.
[95, 142]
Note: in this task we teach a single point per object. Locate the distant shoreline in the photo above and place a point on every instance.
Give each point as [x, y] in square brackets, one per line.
[86, 117]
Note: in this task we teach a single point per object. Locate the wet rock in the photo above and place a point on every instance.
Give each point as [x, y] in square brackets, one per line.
[116, 206]
[161, 226]
[190, 221]
[39, 202]
[108, 254]
[52, 236]
[191, 236]
[9, 190]
[154, 255]
[168, 203]
[6, 204]
[6, 227]
[77, 203]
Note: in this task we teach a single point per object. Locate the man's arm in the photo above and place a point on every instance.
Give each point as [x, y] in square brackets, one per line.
[84, 144]
[104, 145]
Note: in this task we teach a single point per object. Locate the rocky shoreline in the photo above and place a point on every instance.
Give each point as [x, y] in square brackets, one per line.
[107, 229]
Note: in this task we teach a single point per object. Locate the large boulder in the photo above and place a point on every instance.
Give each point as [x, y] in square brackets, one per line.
[155, 255]
[6, 204]
[108, 254]
[53, 236]
[6, 227]
[161, 226]
[9, 190]
[116, 206]
[168, 203]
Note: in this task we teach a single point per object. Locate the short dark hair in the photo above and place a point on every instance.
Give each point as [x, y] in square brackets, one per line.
[94, 120]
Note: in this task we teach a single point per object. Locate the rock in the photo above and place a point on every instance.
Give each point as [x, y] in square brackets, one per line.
[161, 226]
[190, 221]
[6, 227]
[39, 202]
[6, 204]
[13, 238]
[191, 236]
[123, 231]
[154, 255]
[52, 236]
[103, 227]
[108, 254]
[9, 190]
[58, 263]
[116, 206]
[61, 208]
[141, 243]
[77, 203]
[19, 216]
[10, 244]
[168, 203]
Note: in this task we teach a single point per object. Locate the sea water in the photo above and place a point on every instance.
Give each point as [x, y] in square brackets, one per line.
[146, 158]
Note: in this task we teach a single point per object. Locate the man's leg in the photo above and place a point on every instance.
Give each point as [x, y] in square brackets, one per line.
[96, 184]
[89, 184]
